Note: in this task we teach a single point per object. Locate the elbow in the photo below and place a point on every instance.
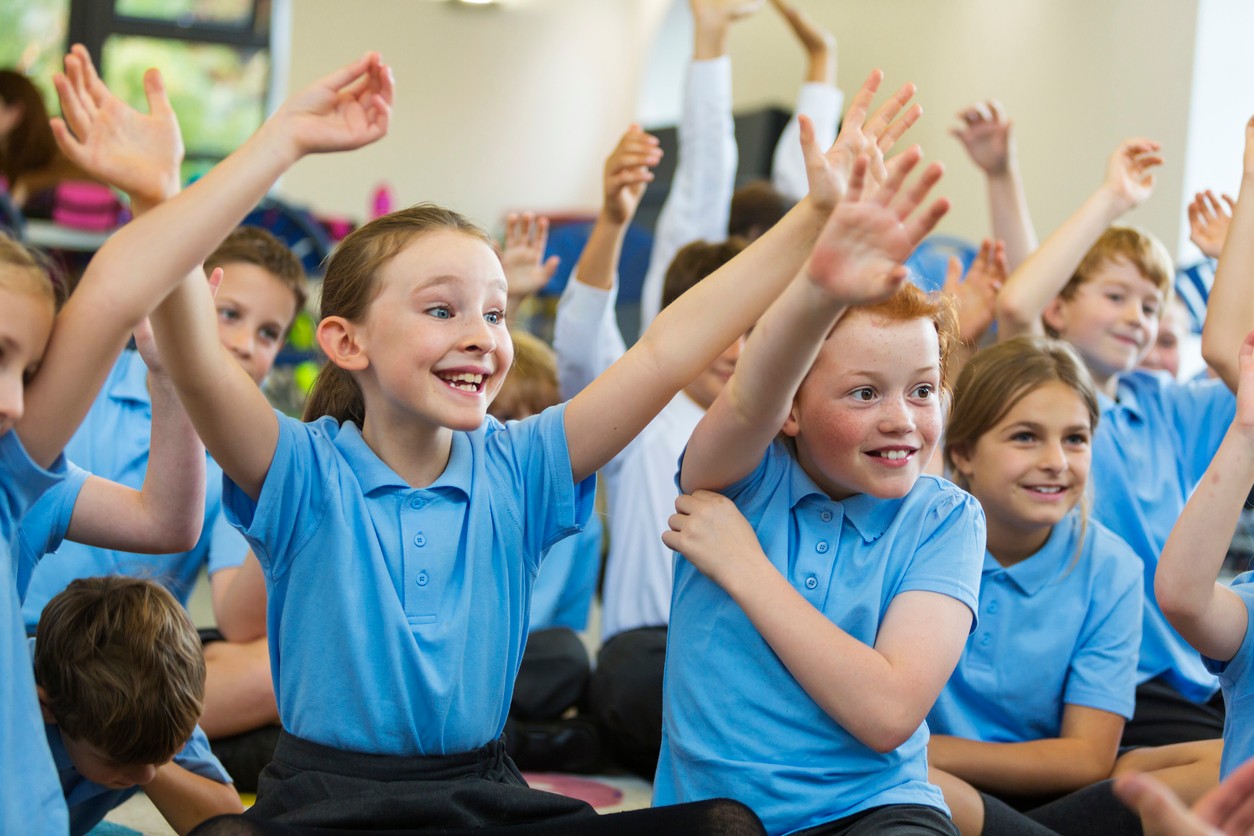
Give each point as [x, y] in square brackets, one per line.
[182, 537]
[887, 732]
[1219, 354]
[1177, 606]
[1010, 310]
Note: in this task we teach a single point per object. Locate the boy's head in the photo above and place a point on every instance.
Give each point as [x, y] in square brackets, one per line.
[1109, 309]
[29, 299]
[531, 386]
[263, 289]
[690, 265]
[120, 671]
[756, 207]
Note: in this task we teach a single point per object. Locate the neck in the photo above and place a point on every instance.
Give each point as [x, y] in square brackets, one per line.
[418, 452]
[1009, 546]
[1107, 384]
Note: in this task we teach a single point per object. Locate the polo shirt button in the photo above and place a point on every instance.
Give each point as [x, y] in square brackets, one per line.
[423, 578]
[821, 548]
[985, 639]
[992, 608]
[417, 502]
[811, 582]
[825, 516]
[420, 540]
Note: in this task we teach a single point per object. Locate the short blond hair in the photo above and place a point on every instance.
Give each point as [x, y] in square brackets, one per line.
[1135, 246]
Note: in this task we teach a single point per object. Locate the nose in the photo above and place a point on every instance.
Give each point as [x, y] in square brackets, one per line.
[240, 342]
[1053, 459]
[12, 402]
[479, 336]
[139, 774]
[1134, 312]
[896, 417]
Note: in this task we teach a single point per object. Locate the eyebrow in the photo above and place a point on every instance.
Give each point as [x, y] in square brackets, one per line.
[450, 279]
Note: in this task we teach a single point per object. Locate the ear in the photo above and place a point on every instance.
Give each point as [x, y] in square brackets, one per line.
[43, 705]
[792, 424]
[1055, 315]
[340, 340]
[960, 458]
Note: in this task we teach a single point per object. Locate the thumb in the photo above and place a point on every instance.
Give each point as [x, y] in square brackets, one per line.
[154, 91]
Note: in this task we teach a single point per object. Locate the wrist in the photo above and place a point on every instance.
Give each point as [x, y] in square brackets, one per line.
[710, 40]
[1112, 203]
[277, 138]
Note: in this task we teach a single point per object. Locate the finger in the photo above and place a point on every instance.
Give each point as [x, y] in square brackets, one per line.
[155, 93]
[921, 224]
[857, 178]
[349, 73]
[95, 87]
[899, 127]
[215, 281]
[76, 64]
[861, 103]
[75, 117]
[550, 266]
[887, 112]
[809, 148]
[542, 232]
[911, 198]
[953, 275]
[898, 167]
[996, 111]
[1232, 204]
[1203, 210]
[1001, 266]
[982, 113]
[66, 141]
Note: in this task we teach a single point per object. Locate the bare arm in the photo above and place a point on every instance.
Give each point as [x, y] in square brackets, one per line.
[1230, 311]
[239, 601]
[988, 136]
[878, 694]
[1031, 287]
[1082, 754]
[186, 799]
[1210, 616]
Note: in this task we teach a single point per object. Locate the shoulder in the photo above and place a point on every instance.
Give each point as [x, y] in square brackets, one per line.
[940, 498]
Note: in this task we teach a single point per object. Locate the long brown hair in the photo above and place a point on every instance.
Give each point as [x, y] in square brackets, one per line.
[351, 284]
[31, 145]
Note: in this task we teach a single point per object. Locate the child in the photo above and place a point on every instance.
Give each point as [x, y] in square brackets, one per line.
[834, 628]
[401, 517]
[1038, 701]
[626, 693]
[121, 683]
[1102, 290]
[555, 668]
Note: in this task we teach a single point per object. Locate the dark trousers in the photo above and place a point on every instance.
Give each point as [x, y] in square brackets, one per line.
[896, 819]
[626, 696]
[1164, 716]
[553, 675]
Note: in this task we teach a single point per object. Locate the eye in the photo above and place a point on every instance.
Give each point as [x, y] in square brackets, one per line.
[495, 317]
[440, 312]
[270, 335]
[924, 391]
[1077, 440]
[228, 314]
[1023, 437]
[1150, 308]
[1115, 297]
[865, 393]
[28, 374]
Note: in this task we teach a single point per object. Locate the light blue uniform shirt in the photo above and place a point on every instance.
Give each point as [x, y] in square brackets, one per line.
[1062, 627]
[30, 796]
[113, 443]
[563, 590]
[397, 615]
[1149, 452]
[45, 525]
[734, 721]
[1236, 677]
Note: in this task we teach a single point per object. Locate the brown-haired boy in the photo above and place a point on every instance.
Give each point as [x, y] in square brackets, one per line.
[121, 680]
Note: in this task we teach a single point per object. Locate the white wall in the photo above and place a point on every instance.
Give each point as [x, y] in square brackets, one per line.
[517, 106]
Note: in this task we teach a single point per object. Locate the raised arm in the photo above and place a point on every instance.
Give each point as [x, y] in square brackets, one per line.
[347, 109]
[522, 258]
[1209, 222]
[1034, 284]
[1209, 615]
[586, 337]
[820, 100]
[1230, 311]
[857, 260]
[702, 323]
[988, 136]
[167, 513]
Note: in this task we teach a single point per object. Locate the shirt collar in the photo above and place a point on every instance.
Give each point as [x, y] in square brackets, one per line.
[1128, 401]
[1032, 573]
[869, 515]
[373, 474]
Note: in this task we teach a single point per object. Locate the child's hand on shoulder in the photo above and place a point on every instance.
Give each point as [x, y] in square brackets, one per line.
[828, 173]
[628, 172]
[1209, 221]
[347, 109]
[1128, 177]
[859, 254]
[136, 152]
[710, 532]
[985, 133]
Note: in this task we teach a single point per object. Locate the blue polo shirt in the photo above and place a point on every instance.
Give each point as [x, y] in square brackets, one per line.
[397, 615]
[113, 443]
[1062, 627]
[89, 802]
[30, 797]
[1236, 678]
[563, 591]
[749, 730]
[45, 525]
[1149, 452]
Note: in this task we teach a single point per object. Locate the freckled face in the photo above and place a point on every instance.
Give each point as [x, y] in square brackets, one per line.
[868, 415]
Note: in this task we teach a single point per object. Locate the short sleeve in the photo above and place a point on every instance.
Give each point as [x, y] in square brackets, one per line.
[198, 758]
[1201, 412]
[951, 554]
[1232, 672]
[1102, 672]
[45, 525]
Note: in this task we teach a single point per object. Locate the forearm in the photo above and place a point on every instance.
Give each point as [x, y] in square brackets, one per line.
[239, 601]
[1012, 222]
[1030, 288]
[1034, 767]
[186, 799]
[1230, 311]
[598, 264]
[730, 439]
[1188, 568]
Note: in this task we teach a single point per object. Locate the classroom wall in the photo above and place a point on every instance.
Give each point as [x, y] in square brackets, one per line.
[517, 106]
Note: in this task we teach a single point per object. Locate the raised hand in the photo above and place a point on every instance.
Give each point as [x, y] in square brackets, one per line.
[526, 269]
[819, 44]
[859, 254]
[722, 12]
[976, 296]
[349, 108]
[628, 173]
[712, 534]
[986, 134]
[1209, 221]
[1226, 810]
[1128, 176]
[829, 173]
[136, 152]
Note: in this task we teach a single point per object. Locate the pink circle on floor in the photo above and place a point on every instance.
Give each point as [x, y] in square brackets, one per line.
[571, 786]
